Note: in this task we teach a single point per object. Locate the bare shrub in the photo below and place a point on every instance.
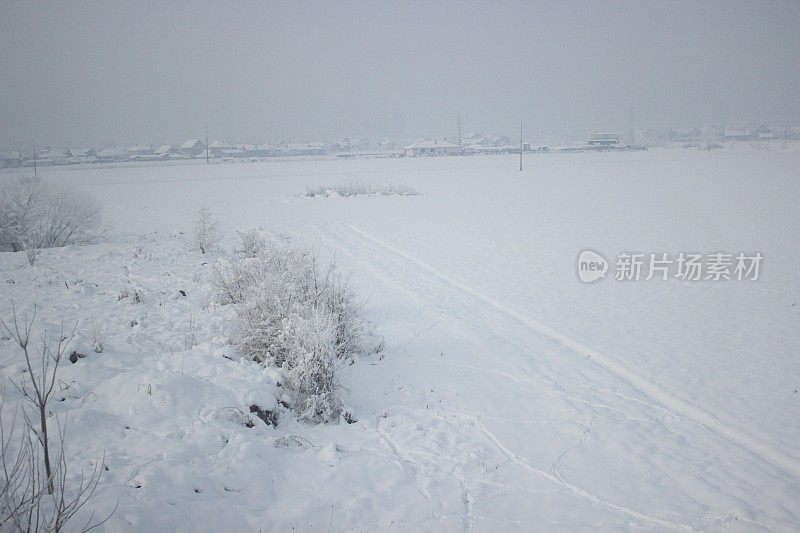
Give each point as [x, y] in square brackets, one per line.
[232, 280]
[31, 251]
[37, 493]
[206, 232]
[25, 503]
[38, 387]
[250, 242]
[295, 314]
[35, 214]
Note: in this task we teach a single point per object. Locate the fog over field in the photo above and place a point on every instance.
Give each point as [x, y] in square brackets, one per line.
[82, 73]
[409, 266]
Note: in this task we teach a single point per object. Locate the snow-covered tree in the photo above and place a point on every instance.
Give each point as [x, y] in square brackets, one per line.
[206, 232]
[35, 214]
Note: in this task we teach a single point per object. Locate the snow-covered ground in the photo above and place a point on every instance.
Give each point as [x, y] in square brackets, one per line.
[509, 395]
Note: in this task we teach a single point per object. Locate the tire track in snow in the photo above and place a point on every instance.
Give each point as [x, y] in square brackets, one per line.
[649, 388]
[521, 461]
[420, 472]
[520, 382]
[417, 469]
[474, 421]
[554, 477]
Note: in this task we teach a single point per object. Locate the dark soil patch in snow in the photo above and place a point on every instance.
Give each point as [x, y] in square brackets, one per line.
[74, 356]
[269, 417]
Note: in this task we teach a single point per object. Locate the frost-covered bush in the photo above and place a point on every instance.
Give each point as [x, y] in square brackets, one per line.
[35, 214]
[339, 302]
[232, 280]
[311, 365]
[206, 233]
[97, 337]
[295, 314]
[250, 242]
[356, 188]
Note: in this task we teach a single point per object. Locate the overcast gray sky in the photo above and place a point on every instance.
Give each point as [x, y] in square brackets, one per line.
[95, 72]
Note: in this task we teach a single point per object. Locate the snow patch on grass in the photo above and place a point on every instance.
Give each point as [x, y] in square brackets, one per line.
[360, 188]
[192, 432]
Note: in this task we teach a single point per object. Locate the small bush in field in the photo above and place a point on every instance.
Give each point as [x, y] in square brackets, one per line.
[295, 314]
[206, 233]
[356, 188]
[250, 242]
[97, 337]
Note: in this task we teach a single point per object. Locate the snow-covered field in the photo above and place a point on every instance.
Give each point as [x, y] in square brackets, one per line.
[509, 395]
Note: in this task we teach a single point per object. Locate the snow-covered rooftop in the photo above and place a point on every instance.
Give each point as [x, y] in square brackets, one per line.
[191, 143]
[164, 149]
[432, 143]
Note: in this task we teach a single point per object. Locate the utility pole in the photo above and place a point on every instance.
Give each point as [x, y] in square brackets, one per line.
[206, 142]
[520, 146]
[459, 129]
[632, 135]
[34, 157]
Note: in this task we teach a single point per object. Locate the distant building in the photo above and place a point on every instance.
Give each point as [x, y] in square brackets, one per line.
[346, 144]
[431, 147]
[750, 132]
[82, 152]
[651, 137]
[165, 150]
[112, 154]
[10, 159]
[762, 133]
[231, 154]
[713, 132]
[53, 156]
[737, 135]
[478, 140]
[499, 141]
[261, 150]
[604, 139]
[791, 133]
[475, 138]
[305, 149]
[140, 149]
[386, 144]
[193, 147]
[82, 155]
[223, 149]
[470, 149]
[690, 135]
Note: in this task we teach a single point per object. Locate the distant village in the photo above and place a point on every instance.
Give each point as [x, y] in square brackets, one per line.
[708, 137]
